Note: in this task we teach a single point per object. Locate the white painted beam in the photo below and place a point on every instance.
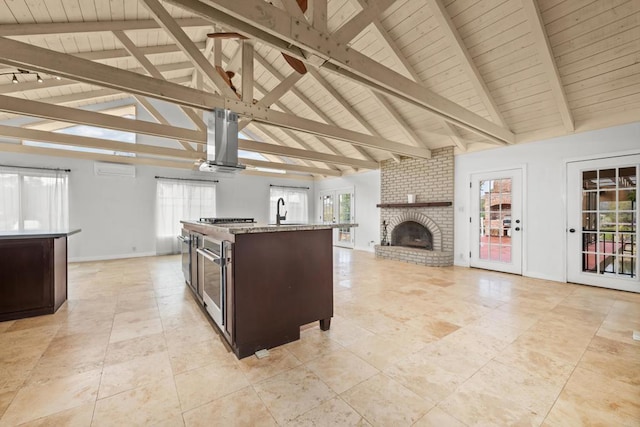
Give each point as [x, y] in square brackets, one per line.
[73, 115]
[457, 45]
[166, 21]
[83, 141]
[44, 60]
[288, 167]
[281, 150]
[19, 148]
[545, 53]
[257, 19]
[247, 72]
[10, 30]
[154, 72]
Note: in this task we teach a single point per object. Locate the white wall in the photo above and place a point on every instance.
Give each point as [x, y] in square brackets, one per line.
[117, 214]
[367, 194]
[544, 191]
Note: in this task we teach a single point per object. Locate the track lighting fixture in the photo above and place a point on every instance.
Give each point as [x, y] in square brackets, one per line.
[21, 72]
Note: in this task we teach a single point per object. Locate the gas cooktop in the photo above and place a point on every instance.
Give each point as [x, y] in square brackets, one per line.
[227, 220]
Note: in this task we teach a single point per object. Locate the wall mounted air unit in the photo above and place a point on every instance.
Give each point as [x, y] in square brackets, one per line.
[114, 169]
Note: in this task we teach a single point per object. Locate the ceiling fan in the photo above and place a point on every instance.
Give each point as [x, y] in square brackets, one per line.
[297, 65]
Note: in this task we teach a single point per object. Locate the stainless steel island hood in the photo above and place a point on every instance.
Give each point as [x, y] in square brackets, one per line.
[222, 142]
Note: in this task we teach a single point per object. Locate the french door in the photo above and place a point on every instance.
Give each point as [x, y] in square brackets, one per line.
[496, 221]
[337, 206]
[602, 222]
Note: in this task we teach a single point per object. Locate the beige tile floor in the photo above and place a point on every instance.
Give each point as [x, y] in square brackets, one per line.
[408, 345]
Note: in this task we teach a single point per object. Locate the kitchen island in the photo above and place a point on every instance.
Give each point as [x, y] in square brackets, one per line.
[274, 279]
[33, 272]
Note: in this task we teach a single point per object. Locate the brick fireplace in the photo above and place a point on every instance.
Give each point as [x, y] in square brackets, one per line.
[421, 232]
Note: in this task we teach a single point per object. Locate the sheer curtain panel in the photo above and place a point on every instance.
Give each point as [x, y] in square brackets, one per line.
[295, 204]
[178, 200]
[33, 199]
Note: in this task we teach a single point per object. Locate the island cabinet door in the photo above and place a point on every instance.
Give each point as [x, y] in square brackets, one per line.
[25, 278]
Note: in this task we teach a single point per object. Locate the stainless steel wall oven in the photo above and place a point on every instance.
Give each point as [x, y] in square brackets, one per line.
[214, 260]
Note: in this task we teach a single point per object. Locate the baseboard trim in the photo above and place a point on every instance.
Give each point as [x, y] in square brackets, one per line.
[112, 257]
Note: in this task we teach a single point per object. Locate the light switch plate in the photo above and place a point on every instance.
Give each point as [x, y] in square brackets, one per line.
[636, 335]
[261, 354]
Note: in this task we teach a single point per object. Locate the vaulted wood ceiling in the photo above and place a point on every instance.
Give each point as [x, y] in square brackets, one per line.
[385, 78]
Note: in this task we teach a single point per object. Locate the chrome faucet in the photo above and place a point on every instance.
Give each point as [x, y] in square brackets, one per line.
[278, 216]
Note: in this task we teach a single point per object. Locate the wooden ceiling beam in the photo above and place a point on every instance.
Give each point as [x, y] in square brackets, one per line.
[12, 30]
[394, 50]
[318, 14]
[202, 64]
[275, 27]
[545, 54]
[323, 116]
[83, 141]
[154, 72]
[25, 149]
[289, 167]
[370, 11]
[281, 150]
[457, 44]
[39, 59]
[73, 115]
[348, 108]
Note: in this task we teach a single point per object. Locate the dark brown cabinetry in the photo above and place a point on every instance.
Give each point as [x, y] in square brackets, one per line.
[33, 276]
[273, 283]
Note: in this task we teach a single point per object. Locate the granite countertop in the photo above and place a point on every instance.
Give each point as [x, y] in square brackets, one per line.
[267, 228]
[34, 234]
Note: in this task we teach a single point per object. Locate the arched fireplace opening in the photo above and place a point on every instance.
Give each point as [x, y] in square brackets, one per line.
[413, 235]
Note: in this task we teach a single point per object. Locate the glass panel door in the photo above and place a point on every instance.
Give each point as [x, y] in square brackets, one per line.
[607, 213]
[337, 206]
[496, 221]
[344, 235]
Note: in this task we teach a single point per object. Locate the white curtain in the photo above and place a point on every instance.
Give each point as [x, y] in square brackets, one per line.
[178, 200]
[33, 200]
[295, 204]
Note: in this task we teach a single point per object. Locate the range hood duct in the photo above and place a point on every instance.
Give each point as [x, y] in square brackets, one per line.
[222, 142]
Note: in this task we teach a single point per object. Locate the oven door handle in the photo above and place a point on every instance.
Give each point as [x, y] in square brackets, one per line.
[184, 240]
[210, 256]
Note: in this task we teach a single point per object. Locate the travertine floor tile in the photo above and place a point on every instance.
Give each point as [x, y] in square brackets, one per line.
[203, 385]
[334, 412]
[436, 417]
[154, 404]
[293, 393]
[383, 402]
[242, 408]
[593, 399]
[80, 416]
[51, 397]
[133, 373]
[341, 370]
[488, 348]
[279, 360]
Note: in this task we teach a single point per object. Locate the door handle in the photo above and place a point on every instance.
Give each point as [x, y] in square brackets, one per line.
[572, 230]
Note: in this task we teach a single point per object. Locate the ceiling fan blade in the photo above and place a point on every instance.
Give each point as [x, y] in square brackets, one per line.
[296, 64]
[303, 5]
[227, 36]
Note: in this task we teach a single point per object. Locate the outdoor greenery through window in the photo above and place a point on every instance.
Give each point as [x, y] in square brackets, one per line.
[33, 200]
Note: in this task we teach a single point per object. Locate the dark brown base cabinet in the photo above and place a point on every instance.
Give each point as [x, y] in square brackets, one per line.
[278, 282]
[281, 281]
[33, 276]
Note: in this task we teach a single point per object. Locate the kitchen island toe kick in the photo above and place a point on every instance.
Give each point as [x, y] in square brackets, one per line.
[277, 280]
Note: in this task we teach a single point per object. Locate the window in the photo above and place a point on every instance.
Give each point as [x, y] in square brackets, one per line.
[295, 204]
[33, 200]
[178, 200]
